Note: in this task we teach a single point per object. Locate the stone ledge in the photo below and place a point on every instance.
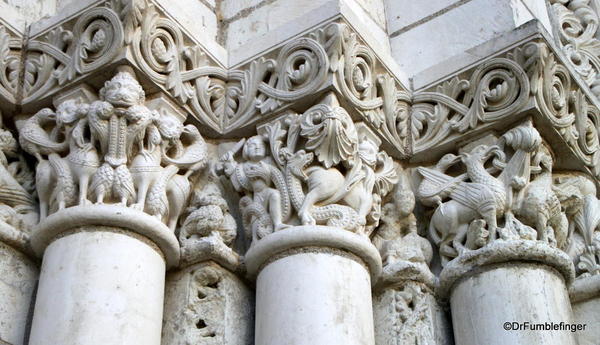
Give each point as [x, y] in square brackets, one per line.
[106, 215]
[504, 252]
[313, 236]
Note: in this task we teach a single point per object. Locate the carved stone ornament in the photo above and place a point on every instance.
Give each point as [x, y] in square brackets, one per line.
[318, 167]
[18, 211]
[223, 99]
[514, 187]
[113, 150]
[577, 26]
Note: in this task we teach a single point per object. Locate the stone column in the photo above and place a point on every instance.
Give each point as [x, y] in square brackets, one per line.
[18, 278]
[114, 172]
[406, 311]
[206, 303]
[313, 286]
[585, 299]
[103, 275]
[506, 283]
[313, 185]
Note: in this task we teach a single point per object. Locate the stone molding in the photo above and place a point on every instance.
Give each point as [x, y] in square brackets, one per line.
[576, 26]
[113, 216]
[528, 79]
[313, 236]
[501, 252]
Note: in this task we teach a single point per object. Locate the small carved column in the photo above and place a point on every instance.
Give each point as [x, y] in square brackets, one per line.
[205, 302]
[312, 186]
[18, 271]
[113, 176]
[500, 231]
[406, 311]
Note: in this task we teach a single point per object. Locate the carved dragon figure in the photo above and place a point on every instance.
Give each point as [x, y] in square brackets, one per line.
[333, 215]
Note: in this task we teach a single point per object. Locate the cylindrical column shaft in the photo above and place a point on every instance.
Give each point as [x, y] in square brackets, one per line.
[585, 299]
[314, 298]
[313, 287]
[100, 286]
[510, 292]
[18, 277]
[503, 304]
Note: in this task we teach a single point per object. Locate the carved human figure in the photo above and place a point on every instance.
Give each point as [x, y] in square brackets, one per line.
[262, 208]
[396, 238]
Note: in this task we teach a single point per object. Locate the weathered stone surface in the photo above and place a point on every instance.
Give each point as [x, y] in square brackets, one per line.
[206, 304]
[361, 163]
[18, 280]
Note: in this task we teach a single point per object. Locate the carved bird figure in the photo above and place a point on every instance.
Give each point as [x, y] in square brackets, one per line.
[194, 156]
[157, 202]
[35, 140]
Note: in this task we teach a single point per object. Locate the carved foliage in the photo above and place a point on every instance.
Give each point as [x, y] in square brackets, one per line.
[562, 102]
[577, 30]
[497, 89]
[70, 50]
[114, 149]
[10, 61]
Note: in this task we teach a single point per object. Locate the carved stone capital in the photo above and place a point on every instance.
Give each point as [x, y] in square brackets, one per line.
[115, 148]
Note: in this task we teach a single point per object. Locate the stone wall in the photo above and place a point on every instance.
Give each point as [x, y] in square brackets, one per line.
[269, 172]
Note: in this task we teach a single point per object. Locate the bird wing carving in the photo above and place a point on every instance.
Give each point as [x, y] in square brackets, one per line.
[11, 192]
[97, 115]
[436, 182]
[472, 195]
[32, 133]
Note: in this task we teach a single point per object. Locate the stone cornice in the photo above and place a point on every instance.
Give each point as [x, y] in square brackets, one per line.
[526, 79]
[225, 102]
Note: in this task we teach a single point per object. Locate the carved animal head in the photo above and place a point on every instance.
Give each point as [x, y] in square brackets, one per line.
[70, 111]
[45, 115]
[447, 161]
[482, 153]
[298, 162]
[123, 90]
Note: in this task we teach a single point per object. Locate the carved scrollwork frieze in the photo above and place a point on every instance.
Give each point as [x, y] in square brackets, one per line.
[71, 49]
[224, 99]
[577, 30]
[501, 88]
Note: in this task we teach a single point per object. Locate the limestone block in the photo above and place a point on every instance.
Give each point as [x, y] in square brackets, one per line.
[206, 304]
[455, 29]
[264, 25]
[401, 13]
[18, 279]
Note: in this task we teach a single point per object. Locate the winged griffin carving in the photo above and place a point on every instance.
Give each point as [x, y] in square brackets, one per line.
[505, 192]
